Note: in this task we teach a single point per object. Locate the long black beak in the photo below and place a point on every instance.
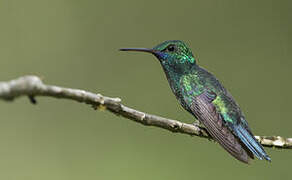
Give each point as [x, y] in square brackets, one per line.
[139, 50]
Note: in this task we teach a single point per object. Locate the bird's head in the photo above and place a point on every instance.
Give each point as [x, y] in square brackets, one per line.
[173, 55]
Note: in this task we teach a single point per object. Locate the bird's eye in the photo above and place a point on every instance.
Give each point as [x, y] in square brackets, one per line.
[171, 48]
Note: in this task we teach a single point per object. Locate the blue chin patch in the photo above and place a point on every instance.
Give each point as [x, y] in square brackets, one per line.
[161, 55]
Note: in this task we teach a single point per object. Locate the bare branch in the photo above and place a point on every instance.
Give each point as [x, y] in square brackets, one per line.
[32, 86]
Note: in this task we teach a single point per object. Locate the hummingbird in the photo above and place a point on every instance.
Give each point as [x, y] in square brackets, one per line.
[200, 93]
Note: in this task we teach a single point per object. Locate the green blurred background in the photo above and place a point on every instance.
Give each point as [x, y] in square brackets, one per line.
[246, 44]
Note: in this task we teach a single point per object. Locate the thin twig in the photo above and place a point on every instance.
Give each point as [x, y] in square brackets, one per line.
[32, 86]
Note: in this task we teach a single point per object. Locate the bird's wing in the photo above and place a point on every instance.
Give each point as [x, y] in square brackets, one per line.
[206, 112]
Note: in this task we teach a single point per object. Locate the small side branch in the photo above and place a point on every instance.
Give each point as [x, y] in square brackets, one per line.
[32, 86]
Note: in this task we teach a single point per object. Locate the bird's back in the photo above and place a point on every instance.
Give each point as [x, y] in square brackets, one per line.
[203, 95]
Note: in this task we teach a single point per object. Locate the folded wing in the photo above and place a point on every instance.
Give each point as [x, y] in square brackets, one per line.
[203, 108]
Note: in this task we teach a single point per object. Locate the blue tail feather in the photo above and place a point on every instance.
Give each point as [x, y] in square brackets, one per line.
[251, 143]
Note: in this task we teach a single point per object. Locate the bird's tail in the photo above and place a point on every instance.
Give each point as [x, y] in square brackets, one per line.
[251, 143]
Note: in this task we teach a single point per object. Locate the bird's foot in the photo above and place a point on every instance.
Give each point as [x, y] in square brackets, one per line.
[204, 132]
[197, 123]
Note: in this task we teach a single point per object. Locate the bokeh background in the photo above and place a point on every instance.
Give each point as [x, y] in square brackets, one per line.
[246, 44]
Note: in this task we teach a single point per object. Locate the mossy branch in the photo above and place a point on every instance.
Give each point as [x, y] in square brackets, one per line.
[33, 86]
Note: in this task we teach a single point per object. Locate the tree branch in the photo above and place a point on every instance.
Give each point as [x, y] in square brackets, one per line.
[32, 86]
